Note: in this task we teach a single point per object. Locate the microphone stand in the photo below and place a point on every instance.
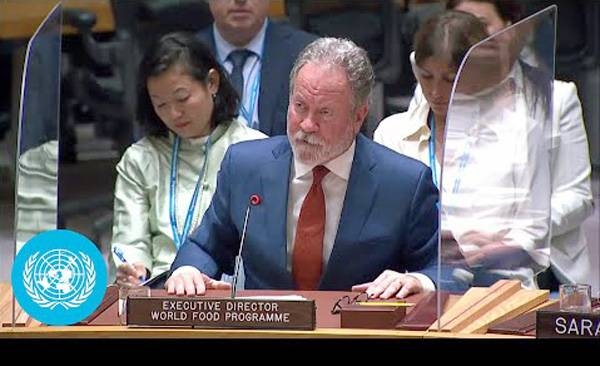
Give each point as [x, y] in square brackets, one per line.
[238, 259]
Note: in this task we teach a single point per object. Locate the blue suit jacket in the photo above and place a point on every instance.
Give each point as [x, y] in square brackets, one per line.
[283, 43]
[389, 219]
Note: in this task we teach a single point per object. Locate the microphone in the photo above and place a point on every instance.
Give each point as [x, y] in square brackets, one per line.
[255, 200]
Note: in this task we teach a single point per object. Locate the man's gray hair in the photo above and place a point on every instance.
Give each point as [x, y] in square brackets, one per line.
[343, 53]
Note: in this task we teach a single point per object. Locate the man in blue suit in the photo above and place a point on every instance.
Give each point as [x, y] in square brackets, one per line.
[267, 51]
[377, 217]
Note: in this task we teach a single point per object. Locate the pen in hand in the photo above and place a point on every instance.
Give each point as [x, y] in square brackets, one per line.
[119, 253]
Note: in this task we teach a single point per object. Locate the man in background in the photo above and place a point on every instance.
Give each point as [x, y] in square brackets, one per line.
[258, 54]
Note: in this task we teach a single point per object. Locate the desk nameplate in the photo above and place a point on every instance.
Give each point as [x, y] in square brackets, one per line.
[560, 324]
[240, 313]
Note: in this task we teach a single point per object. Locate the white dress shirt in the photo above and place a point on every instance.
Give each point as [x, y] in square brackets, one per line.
[251, 71]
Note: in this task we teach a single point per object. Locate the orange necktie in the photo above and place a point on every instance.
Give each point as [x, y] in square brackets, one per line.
[307, 258]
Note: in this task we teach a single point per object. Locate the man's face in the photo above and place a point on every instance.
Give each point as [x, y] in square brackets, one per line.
[322, 122]
[239, 19]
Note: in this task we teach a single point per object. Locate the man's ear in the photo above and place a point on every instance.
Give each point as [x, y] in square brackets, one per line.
[360, 115]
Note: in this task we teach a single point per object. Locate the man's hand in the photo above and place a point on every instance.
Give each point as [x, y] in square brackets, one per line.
[390, 283]
[131, 274]
[188, 280]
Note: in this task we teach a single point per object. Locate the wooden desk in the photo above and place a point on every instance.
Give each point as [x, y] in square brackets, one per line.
[124, 332]
[327, 326]
[115, 331]
[20, 18]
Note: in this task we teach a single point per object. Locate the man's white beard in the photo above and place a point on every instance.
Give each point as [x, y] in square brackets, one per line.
[316, 151]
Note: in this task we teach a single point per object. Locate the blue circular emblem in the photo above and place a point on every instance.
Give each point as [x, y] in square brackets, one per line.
[59, 277]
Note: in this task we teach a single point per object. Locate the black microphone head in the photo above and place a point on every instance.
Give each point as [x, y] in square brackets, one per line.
[255, 200]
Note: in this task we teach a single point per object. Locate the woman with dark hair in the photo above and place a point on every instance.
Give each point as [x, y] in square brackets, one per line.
[572, 200]
[166, 180]
[435, 65]
[494, 211]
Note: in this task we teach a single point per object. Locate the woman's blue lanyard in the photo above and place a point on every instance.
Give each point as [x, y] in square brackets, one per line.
[462, 163]
[179, 238]
[431, 122]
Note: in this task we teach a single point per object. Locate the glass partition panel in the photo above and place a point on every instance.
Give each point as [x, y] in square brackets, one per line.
[497, 157]
[592, 235]
[37, 144]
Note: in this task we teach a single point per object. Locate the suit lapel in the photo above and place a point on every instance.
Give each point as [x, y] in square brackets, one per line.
[275, 181]
[362, 187]
[272, 68]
